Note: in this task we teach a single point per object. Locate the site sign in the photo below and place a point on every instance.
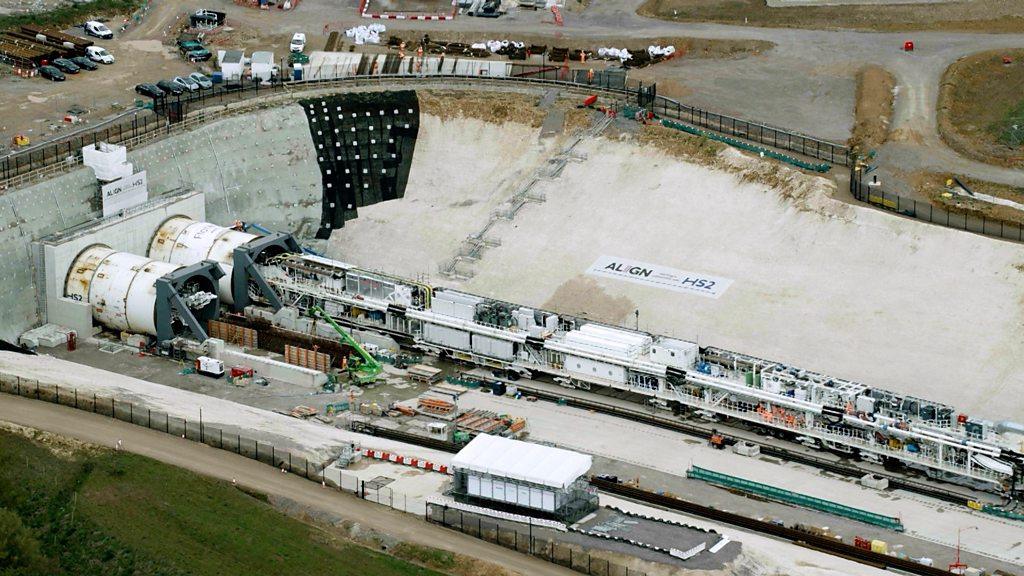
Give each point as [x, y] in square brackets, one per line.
[658, 276]
[124, 193]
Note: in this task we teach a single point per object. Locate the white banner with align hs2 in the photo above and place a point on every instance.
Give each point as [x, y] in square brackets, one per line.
[124, 193]
[659, 276]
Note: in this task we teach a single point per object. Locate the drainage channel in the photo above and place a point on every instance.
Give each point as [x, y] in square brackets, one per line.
[895, 482]
[814, 541]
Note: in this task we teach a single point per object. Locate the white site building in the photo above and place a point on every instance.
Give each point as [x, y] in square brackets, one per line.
[523, 477]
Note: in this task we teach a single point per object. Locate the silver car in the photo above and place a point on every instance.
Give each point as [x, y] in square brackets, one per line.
[202, 80]
[186, 83]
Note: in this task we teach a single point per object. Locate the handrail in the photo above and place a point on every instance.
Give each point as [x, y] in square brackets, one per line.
[57, 151]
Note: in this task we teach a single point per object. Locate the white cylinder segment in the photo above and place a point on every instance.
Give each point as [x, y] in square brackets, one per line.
[119, 286]
[181, 240]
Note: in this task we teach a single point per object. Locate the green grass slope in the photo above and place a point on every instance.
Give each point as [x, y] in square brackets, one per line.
[69, 511]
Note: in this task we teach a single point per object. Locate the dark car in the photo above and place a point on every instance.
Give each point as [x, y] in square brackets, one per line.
[170, 87]
[151, 90]
[51, 73]
[66, 65]
[193, 51]
[83, 62]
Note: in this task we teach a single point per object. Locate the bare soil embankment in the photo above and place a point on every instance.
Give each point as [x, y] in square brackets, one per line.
[976, 16]
[981, 99]
[873, 113]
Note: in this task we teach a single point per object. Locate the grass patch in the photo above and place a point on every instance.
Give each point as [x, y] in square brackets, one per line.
[103, 512]
[980, 101]
[71, 13]
[1010, 130]
[432, 557]
[978, 15]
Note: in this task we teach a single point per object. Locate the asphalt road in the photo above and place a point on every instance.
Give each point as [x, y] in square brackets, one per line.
[804, 83]
[96, 429]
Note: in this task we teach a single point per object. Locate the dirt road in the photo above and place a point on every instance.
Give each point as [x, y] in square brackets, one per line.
[223, 465]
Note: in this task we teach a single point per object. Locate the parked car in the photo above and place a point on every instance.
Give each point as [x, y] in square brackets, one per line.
[186, 83]
[98, 29]
[298, 43]
[66, 66]
[193, 51]
[202, 80]
[51, 73]
[85, 63]
[170, 87]
[151, 90]
[99, 54]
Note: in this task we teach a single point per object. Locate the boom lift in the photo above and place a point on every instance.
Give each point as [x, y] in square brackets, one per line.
[363, 370]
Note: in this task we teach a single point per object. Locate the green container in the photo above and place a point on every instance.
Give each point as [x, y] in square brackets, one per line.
[749, 377]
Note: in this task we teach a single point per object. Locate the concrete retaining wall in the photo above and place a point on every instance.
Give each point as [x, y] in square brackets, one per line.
[259, 167]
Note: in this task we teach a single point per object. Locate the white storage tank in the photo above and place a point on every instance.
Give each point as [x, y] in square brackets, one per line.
[182, 240]
[121, 288]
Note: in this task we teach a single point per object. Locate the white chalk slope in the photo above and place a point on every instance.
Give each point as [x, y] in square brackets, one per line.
[846, 290]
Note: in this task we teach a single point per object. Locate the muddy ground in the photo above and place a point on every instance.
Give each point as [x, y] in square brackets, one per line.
[937, 189]
[976, 96]
[975, 16]
[873, 114]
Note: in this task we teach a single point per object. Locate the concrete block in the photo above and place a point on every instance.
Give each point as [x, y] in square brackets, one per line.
[71, 314]
[746, 449]
[214, 347]
[874, 481]
[273, 369]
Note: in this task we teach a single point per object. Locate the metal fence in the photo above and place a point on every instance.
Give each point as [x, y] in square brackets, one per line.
[197, 430]
[516, 536]
[927, 212]
[172, 109]
[510, 535]
[780, 138]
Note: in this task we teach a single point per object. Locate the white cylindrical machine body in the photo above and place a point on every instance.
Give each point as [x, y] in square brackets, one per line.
[119, 286]
[181, 240]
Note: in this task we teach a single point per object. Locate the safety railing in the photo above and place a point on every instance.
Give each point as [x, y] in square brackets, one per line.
[176, 107]
[872, 194]
[788, 497]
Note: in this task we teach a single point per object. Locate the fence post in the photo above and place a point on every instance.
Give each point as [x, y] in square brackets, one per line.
[57, 388]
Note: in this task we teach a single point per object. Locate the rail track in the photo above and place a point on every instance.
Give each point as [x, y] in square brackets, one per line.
[798, 537]
[843, 469]
[821, 543]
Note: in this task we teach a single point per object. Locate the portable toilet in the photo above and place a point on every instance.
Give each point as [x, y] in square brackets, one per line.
[262, 66]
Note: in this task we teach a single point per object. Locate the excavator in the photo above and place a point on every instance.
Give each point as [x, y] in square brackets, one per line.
[365, 368]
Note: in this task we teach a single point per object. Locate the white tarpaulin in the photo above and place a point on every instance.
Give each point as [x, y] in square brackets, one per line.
[658, 276]
[517, 460]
